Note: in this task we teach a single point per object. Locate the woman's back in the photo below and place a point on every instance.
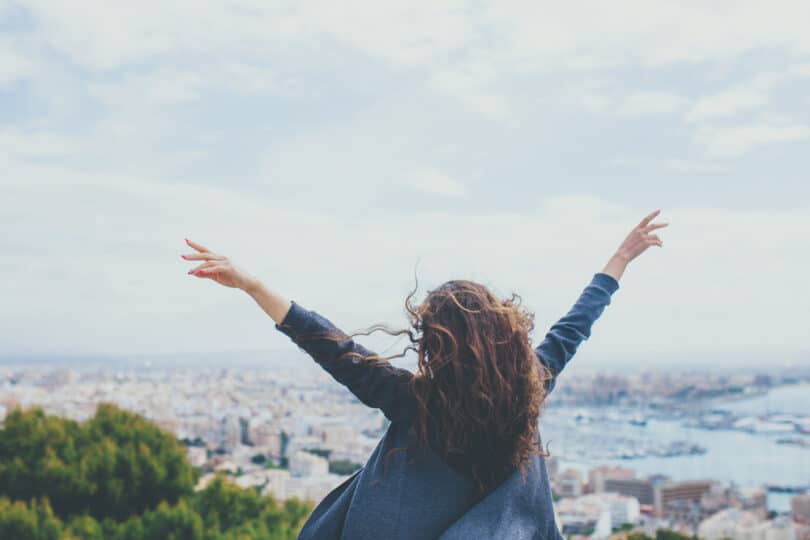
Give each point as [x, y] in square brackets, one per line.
[406, 498]
[413, 492]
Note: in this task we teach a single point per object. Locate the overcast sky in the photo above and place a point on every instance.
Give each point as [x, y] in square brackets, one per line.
[329, 146]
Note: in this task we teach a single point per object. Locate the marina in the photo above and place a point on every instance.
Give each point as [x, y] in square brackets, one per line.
[585, 437]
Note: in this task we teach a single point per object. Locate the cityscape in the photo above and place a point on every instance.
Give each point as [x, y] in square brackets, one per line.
[631, 452]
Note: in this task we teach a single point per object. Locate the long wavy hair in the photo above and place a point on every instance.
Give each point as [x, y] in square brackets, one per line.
[479, 386]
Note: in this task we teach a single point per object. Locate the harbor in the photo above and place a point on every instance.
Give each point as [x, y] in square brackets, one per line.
[583, 437]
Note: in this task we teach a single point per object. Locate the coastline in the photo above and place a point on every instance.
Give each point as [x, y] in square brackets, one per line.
[746, 459]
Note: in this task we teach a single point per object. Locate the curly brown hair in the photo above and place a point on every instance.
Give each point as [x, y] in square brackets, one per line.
[479, 386]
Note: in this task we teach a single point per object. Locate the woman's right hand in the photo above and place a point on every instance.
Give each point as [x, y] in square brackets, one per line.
[636, 243]
[219, 268]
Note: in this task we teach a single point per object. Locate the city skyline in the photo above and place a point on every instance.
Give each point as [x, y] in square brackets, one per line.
[662, 450]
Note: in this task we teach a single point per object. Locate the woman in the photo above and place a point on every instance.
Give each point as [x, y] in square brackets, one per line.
[461, 458]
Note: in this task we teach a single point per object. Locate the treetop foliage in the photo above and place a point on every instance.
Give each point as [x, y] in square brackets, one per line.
[119, 476]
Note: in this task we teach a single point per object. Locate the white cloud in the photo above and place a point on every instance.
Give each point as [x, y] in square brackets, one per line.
[170, 86]
[770, 79]
[736, 140]
[471, 83]
[736, 120]
[699, 167]
[14, 66]
[93, 261]
[651, 34]
[161, 87]
[727, 103]
[471, 53]
[651, 103]
[109, 36]
[517, 35]
[751, 95]
[435, 182]
[23, 144]
[595, 102]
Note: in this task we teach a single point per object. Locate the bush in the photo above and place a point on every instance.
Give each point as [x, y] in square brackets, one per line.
[120, 477]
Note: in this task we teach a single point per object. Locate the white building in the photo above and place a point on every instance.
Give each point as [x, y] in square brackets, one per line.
[752, 499]
[266, 436]
[313, 488]
[197, 455]
[598, 475]
[726, 524]
[336, 436]
[304, 442]
[800, 508]
[568, 483]
[227, 466]
[600, 511]
[781, 528]
[306, 464]
[623, 509]
[584, 515]
[276, 486]
[251, 480]
[230, 432]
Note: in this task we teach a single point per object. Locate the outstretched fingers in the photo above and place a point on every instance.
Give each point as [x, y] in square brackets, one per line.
[212, 272]
[197, 246]
[646, 227]
[204, 253]
[655, 226]
[204, 266]
[650, 217]
[207, 256]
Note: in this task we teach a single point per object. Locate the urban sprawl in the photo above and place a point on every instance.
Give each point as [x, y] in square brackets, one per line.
[296, 433]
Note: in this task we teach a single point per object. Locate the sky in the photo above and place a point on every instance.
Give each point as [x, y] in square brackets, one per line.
[336, 148]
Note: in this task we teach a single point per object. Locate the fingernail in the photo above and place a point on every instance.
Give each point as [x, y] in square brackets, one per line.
[191, 271]
[183, 256]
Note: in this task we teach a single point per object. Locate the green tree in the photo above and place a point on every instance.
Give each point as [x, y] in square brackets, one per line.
[115, 465]
[666, 534]
[319, 452]
[84, 528]
[342, 466]
[34, 521]
[226, 505]
[119, 477]
[177, 522]
[230, 509]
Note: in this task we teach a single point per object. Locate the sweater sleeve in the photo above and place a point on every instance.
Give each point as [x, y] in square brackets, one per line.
[376, 383]
[563, 339]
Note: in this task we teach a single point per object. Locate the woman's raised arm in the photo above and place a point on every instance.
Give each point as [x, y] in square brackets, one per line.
[221, 269]
[376, 383]
[562, 340]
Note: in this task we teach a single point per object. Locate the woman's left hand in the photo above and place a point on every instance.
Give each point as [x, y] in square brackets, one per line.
[219, 268]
